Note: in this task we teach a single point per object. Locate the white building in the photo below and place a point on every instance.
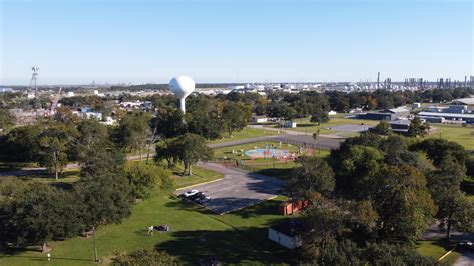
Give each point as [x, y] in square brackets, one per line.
[286, 234]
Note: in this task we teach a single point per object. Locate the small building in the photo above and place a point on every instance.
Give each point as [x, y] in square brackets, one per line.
[70, 94]
[464, 118]
[433, 119]
[289, 208]
[464, 101]
[289, 124]
[259, 119]
[286, 234]
[400, 126]
[376, 116]
[400, 112]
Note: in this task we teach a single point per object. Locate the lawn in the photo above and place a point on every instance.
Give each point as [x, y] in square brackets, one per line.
[304, 125]
[246, 133]
[436, 249]
[459, 134]
[236, 238]
[200, 175]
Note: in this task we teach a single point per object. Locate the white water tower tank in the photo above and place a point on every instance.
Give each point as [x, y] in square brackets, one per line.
[182, 87]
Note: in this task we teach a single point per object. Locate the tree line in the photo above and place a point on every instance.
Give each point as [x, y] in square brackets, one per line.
[375, 189]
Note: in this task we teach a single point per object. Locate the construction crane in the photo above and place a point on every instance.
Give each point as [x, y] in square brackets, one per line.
[54, 102]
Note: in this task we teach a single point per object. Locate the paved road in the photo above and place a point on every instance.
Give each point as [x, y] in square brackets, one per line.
[26, 171]
[467, 258]
[238, 189]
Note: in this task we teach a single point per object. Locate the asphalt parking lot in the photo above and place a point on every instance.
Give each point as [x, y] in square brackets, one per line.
[237, 190]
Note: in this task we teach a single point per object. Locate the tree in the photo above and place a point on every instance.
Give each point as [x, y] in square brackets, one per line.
[55, 145]
[403, 202]
[383, 128]
[105, 198]
[190, 149]
[454, 209]
[167, 150]
[143, 178]
[103, 190]
[21, 144]
[235, 116]
[144, 257]
[134, 132]
[356, 169]
[170, 124]
[324, 223]
[417, 128]
[34, 213]
[439, 149]
[319, 116]
[6, 120]
[314, 175]
[204, 117]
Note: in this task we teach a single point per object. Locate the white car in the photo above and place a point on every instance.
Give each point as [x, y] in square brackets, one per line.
[191, 193]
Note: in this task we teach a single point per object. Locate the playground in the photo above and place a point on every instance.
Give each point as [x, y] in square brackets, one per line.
[268, 153]
[269, 158]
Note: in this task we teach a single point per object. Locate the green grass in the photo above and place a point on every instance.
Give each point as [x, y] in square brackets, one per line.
[246, 133]
[9, 166]
[195, 233]
[436, 249]
[200, 175]
[305, 125]
[459, 134]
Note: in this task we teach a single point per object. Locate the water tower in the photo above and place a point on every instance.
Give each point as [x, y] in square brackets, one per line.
[182, 86]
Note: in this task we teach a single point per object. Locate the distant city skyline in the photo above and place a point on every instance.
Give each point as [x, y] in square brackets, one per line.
[77, 42]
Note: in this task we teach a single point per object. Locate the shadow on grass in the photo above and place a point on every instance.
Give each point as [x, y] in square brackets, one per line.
[44, 258]
[280, 173]
[229, 247]
[306, 125]
[468, 186]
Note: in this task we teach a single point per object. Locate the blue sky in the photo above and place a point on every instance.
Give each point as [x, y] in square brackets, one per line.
[76, 42]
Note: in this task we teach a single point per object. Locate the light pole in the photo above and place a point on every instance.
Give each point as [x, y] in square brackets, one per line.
[95, 247]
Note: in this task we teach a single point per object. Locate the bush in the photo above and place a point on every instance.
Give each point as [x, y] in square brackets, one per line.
[144, 257]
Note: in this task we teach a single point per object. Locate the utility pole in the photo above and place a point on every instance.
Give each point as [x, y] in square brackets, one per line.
[95, 247]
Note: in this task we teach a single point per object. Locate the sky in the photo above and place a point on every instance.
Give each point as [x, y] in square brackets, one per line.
[146, 41]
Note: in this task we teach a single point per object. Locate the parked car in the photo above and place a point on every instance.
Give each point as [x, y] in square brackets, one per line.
[190, 193]
[195, 196]
[203, 198]
[162, 228]
[467, 245]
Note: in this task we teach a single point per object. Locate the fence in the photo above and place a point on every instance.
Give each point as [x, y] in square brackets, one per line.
[302, 143]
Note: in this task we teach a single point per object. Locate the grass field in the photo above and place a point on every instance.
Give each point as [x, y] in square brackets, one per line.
[236, 238]
[305, 125]
[459, 134]
[246, 133]
[200, 175]
[436, 249]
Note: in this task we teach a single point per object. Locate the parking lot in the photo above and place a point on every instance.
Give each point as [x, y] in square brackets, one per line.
[237, 190]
